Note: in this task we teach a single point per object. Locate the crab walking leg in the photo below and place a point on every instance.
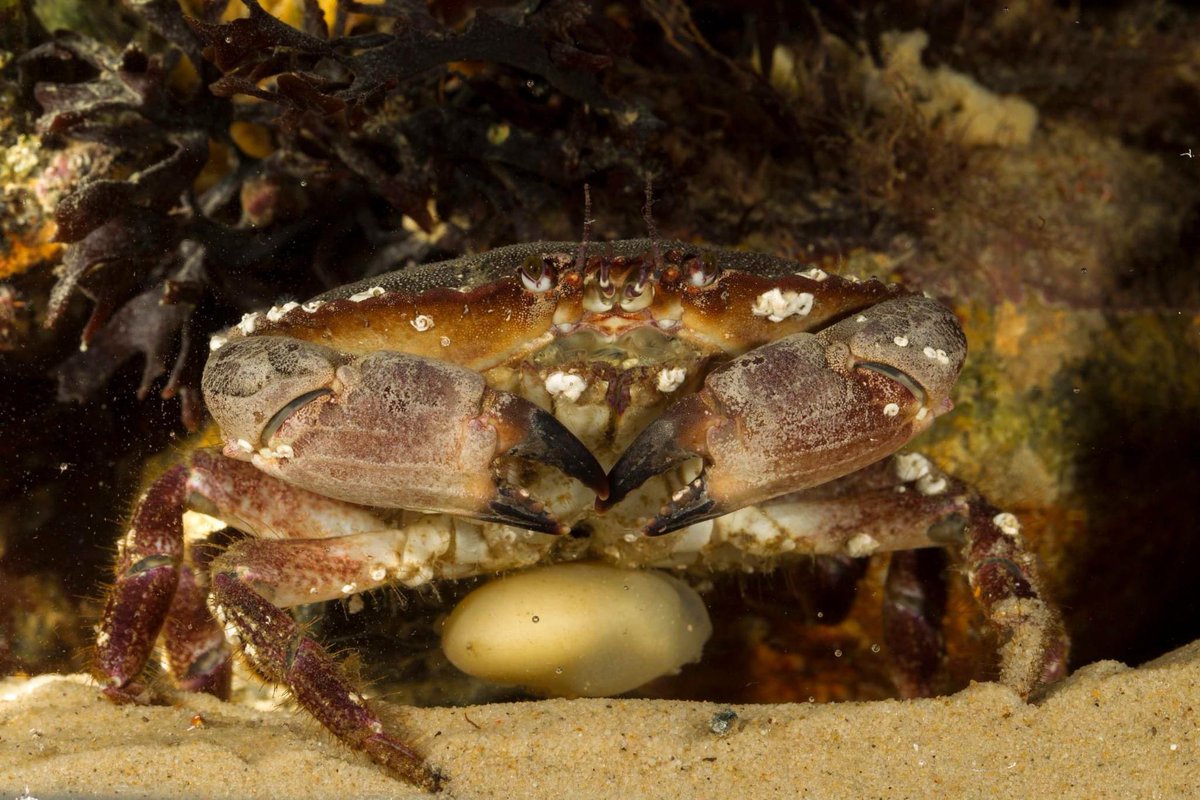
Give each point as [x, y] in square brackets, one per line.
[914, 604]
[905, 503]
[147, 572]
[197, 654]
[278, 649]
[1003, 575]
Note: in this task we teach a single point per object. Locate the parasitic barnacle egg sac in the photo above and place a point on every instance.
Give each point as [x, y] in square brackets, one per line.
[577, 630]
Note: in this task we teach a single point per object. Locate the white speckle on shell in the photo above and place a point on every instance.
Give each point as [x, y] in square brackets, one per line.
[349, 588]
[244, 446]
[860, 319]
[938, 355]
[671, 378]
[248, 323]
[901, 341]
[777, 305]
[814, 273]
[444, 341]
[374, 291]
[312, 305]
[278, 312]
[911, 466]
[1008, 524]
[422, 322]
[217, 342]
[860, 545]
[378, 574]
[891, 410]
[931, 485]
[922, 413]
[565, 384]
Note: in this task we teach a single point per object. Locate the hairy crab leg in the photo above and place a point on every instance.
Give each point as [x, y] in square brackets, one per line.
[147, 573]
[198, 655]
[905, 503]
[276, 647]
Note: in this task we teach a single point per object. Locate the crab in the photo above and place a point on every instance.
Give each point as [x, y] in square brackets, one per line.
[644, 404]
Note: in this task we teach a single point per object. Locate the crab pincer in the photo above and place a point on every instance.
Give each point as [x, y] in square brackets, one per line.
[388, 429]
[800, 411]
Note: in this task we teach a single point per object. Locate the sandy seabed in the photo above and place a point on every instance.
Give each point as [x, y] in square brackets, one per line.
[1107, 731]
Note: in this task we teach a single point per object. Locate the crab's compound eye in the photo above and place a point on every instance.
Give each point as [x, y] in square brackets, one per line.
[538, 274]
[248, 381]
[701, 271]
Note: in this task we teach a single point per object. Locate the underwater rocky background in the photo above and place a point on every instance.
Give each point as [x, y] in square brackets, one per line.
[166, 167]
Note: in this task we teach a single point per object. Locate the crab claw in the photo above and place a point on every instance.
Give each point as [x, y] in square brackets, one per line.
[800, 411]
[388, 430]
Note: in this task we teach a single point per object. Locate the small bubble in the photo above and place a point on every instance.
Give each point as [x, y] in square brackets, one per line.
[820, 615]
[536, 618]
[874, 648]
[1083, 270]
[837, 653]
[228, 40]
[812, 699]
[1075, 389]
[558, 670]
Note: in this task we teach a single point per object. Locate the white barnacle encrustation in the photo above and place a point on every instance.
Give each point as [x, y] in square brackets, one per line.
[422, 322]
[278, 312]
[911, 466]
[217, 342]
[860, 545]
[349, 588]
[931, 484]
[922, 413]
[671, 378]
[374, 291]
[939, 355]
[244, 446]
[444, 341]
[814, 273]
[860, 319]
[900, 341]
[1008, 524]
[891, 410]
[312, 305]
[248, 323]
[777, 305]
[565, 384]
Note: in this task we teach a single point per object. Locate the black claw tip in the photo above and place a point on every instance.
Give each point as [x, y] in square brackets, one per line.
[549, 442]
[653, 452]
[514, 507]
[689, 505]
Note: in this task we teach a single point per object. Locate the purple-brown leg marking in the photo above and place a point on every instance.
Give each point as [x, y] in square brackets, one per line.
[1004, 578]
[905, 504]
[198, 655]
[277, 648]
[914, 604]
[147, 573]
[157, 590]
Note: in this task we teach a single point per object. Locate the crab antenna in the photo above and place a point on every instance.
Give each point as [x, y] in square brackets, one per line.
[652, 230]
[581, 257]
